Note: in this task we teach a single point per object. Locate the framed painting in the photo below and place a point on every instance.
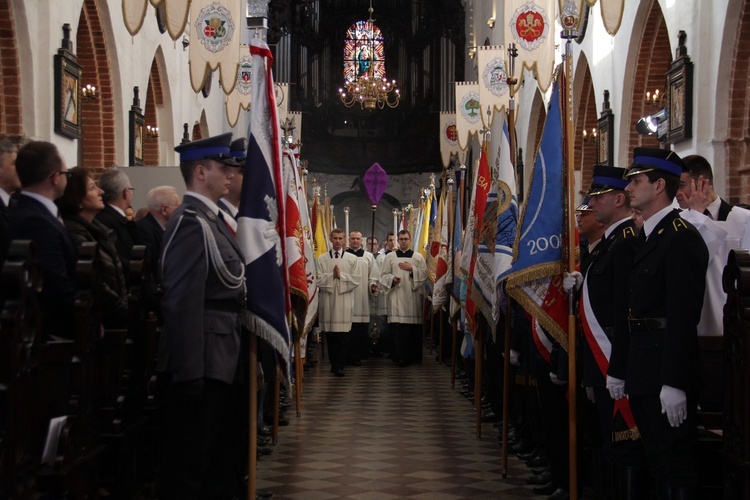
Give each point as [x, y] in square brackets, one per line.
[679, 101]
[67, 96]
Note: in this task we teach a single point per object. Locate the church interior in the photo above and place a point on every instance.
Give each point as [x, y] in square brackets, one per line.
[122, 83]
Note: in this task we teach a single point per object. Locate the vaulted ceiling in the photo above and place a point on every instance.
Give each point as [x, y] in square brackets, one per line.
[417, 36]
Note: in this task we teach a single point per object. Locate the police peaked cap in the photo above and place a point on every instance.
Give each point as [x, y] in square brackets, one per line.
[584, 207]
[650, 159]
[238, 152]
[212, 148]
[607, 179]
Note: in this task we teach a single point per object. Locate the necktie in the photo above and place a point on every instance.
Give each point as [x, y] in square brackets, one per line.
[336, 255]
[707, 214]
[232, 228]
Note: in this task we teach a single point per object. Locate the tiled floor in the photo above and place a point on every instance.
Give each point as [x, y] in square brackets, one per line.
[384, 432]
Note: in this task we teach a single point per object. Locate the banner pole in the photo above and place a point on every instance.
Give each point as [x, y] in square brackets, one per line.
[569, 19]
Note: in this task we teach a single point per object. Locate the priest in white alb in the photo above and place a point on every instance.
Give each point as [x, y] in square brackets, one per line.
[402, 278]
[358, 346]
[336, 281]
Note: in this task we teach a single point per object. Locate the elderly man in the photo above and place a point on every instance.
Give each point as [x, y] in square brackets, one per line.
[402, 277]
[43, 175]
[336, 281]
[162, 201]
[655, 355]
[367, 275]
[203, 276]
[118, 196]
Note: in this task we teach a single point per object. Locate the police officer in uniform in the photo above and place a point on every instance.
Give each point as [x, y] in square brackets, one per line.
[655, 354]
[204, 291]
[602, 303]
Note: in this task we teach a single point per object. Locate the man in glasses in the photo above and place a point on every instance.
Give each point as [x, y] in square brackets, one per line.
[43, 175]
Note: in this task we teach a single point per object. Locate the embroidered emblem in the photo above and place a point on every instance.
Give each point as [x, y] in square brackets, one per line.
[470, 107]
[529, 26]
[245, 75]
[495, 77]
[214, 27]
[450, 133]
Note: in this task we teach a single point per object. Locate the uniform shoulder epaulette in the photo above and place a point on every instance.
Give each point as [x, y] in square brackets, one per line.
[679, 224]
[190, 211]
[628, 232]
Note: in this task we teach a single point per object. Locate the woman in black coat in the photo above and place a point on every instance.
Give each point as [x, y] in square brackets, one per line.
[79, 204]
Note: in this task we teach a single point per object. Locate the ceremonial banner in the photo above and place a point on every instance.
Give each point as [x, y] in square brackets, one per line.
[320, 240]
[468, 109]
[612, 14]
[282, 101]
[424, 230]
[456, 249]
[133, 14]
[295, 119]
[483, 186]
[261, 231]
[494, 92]
[240, 97]
[497, 234]
[299, 252]
[448, 137]
[531, 26]
[215, 41]
[507, 212]
[439, 253]
[538, 246]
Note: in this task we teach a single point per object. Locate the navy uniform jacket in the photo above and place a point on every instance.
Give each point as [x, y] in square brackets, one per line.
[201, 335]
[56, 256]
[4, 223]
[126, 233]
[667, 281]
[606, 288]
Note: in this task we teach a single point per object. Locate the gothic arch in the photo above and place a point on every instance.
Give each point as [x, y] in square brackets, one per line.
[646, 71]
[96, 148]
[737, 143]
[10, 78]
[586, 147]
[157, 112]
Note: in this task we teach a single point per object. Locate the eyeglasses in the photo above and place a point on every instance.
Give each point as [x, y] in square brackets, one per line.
[130, 188]
[66, 173]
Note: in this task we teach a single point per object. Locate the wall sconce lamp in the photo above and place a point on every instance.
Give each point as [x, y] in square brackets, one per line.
[88, 93]
[590, 136]
[152, 132]
[656, 99]
[491, 22]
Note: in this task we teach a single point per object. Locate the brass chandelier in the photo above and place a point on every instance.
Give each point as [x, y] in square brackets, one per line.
[370, 93]
[369, 90]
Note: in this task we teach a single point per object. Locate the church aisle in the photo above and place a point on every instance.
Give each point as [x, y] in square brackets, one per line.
[384, 432]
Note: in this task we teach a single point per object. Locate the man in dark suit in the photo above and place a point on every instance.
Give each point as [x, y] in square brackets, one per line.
[9, 184]
[118, 196]
[43, 175]
[202, 271]
[655, 354]
[603, 303]
[162, 201]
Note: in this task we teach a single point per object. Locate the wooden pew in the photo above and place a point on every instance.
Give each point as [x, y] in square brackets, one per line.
[736, 450]
[19, 329]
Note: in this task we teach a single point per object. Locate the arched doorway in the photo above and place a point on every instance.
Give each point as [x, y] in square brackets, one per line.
[585, 153]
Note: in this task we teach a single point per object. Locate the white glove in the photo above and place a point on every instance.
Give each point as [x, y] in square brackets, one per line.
[515, 358]
[616, 387]
[570, 280]
[555, 380]
[674, 404]
[590, 394]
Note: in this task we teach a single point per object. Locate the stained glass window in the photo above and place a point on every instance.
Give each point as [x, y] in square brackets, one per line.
[364, 52]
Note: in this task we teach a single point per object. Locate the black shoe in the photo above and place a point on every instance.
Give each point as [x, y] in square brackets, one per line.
[283, 422]
[264, 430]
[540, 470]
[559, 494]
[339, 373]
[262, 441]
[264, 451]
[543, 478]
[529, 453]
[263, 494]
[538, 462]
[490, 416]
[546, 489]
